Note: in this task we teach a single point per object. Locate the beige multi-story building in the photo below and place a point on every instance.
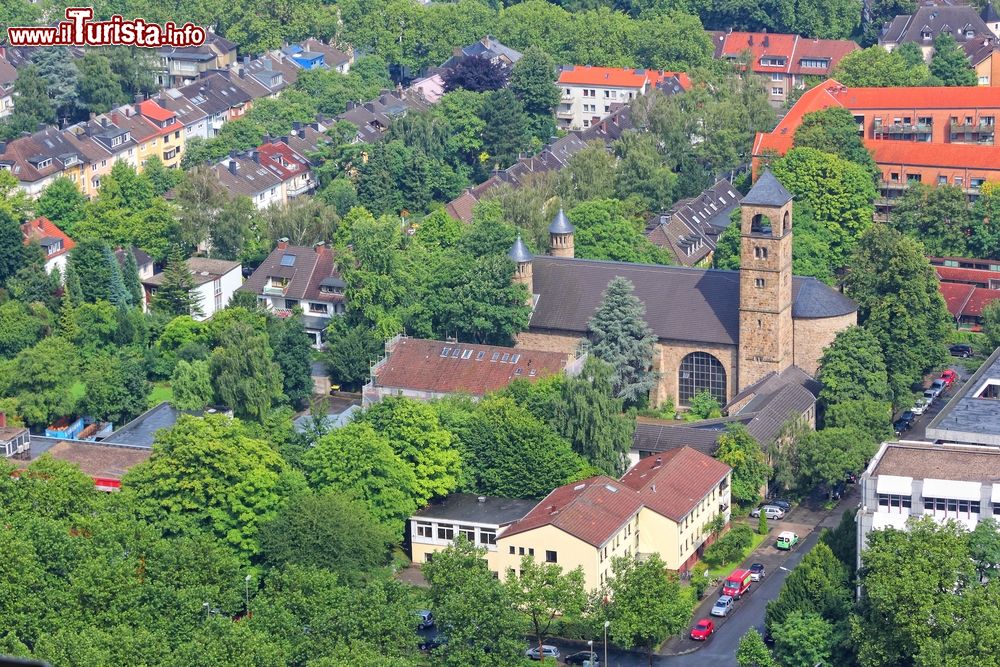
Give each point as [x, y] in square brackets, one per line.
[664, 505]
[590, 94]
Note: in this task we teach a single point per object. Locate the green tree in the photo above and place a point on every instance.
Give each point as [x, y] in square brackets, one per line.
[620, 336]
[484, 628]
[647, 604]
[208, 474]
[752, 651]
[98, 86]
[641, 172]
[192, 385]
[40, 379]
[31, 101]
[119, 295]
[532, 82]
[55, 66]
[359, 462]
[703, 406]
[32, 283]
[984, 548]
[611, 229]
[588, 175]
[825, 457]
[937, 216]
[19, 328]
[587, 413]
[803, 640]
[762, 528]
[985, 238]
[991, 324]
[293, 353]
[117, 388]
[176, 295]
[543, 591]
[130, 277]
[89, 263]
[873, 418]
[950, 64]
[506, 132]
[326, 530]
[350, 352]
[11, 247]
[876, 67]
[898, 302]
[819, 585]
[62, 203]
[743, 454]
[852, 369]
[159, 176]
[244, 374]
[834, 130]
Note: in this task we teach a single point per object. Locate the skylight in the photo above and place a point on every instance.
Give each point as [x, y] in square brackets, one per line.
[480, 355]
[445, 351]
[288, 260]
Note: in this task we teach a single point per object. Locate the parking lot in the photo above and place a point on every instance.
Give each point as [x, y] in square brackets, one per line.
[918, 431]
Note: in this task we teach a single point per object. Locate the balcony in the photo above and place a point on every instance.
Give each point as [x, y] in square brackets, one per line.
[274, 290]
[564, 113]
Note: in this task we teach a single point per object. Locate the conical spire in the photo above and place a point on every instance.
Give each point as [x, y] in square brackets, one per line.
[519, 252]
[561, 224]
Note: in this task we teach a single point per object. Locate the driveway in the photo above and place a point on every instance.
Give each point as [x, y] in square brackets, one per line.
[919, 430]
[720, 650]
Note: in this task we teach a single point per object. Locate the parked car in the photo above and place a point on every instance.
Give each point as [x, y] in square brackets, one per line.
[930, 395]
[582, 657]
[901, 425]
[770, 511]
[939, 385]
[425, 619]
[783, 504]
[786, 540]
[920, 407]
[431, 643]
[548, 651]
[949, 376]
[757, 571]
[703, 629]
[723, 606]
[961, 350]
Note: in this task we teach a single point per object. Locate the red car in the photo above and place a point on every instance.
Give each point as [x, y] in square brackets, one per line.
[949, 376]
[702, 630]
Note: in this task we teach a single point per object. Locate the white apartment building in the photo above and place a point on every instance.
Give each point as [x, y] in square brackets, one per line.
[590, 94]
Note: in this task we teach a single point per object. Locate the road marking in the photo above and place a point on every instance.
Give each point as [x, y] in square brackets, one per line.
[782, 567]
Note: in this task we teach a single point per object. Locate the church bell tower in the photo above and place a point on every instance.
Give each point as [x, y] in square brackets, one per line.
[766, 338]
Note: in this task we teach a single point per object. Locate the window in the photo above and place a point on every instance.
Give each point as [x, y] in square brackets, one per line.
[488, 536]
[511, 551]
[520, 551]
[445, 351]
[959, 181]
[425, 530]
[551, 557]
[505, 357]
[515, 358]
[759, 283]
[586, 123]
[317, 307]
[288, 260]
[700, 371]
[777, 91]
[607, 93]
[894, 176]
[942, 180]
[446, 532]
[456, 352]
[496, 355]
[466, 354]
[777, 76]
[469, 532]
[892, 501]
[480, 355]
[913, 178]
[815, 63]
[531, 552]
[760, 253]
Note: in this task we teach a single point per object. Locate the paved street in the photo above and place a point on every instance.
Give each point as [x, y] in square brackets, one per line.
[918, 432]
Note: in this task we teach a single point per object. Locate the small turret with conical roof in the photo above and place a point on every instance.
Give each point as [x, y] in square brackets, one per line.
[561, 236]
[521, 257]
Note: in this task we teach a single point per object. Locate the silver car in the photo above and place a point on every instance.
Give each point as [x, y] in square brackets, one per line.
[722, 606]
[770, 511]
[548, 651]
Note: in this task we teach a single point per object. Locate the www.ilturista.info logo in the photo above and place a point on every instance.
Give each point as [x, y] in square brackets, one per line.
[79, 30]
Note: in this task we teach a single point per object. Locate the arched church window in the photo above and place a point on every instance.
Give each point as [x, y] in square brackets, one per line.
[700, 371]
[760, 224]
[786, 223]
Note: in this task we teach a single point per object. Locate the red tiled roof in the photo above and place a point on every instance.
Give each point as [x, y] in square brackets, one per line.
[920, 97]
[592, 510]
[42, 227]
[674, 482]
[151, 109]
[955, 274]
[790, 47]
[981, 297]
[781, 138]
[924, 154]
[956, 295]
[618, 77]
[296, 164]
[418, 364]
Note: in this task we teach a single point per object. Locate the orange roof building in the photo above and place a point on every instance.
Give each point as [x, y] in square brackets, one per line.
[968, 286]
[53, 241]
[928, 135]
[590, 94]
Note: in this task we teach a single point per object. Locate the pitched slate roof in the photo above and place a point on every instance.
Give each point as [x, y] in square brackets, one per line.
[310, 267]
[451, 368]
[935, 19]
[691, 228]
[8, 75]
[655, 435]
[592, 510]
[674, 482]
[203, 270]
[681, 303]
[214, 94]
[767, 191]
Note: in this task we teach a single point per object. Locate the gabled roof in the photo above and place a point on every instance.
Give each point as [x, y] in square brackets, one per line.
[287, 163]
[310, 267]
[674, 483]
[692, 226]
[791, 50]
[617, 77]
[187, 113]
[461, 368]
[43, 228]
[214, 94]
[203, 270]
[8, 75]
[592, 510]
[935, 20]
[251, 178]
[332, 56]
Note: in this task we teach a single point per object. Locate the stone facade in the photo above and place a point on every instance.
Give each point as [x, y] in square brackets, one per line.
[766, 343]
[548, 342]
[667, 359]
[815, 335]
[561, 245]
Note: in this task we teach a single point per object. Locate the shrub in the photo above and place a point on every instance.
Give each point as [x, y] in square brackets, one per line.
[731, 547]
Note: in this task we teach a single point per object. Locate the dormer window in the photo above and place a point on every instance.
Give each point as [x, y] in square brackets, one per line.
[44, 163]
[116, 141]
[925, 34]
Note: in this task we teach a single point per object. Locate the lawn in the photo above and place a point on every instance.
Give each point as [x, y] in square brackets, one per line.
[161, 392]
[723, 570]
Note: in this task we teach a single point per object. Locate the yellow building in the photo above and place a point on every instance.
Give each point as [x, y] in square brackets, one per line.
[159, 133]
[663, 505]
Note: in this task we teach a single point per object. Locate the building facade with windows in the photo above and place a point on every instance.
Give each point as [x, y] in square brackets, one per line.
[947, 482]
[215, 282]
[590, 94]
[720, 331]
[54, 242]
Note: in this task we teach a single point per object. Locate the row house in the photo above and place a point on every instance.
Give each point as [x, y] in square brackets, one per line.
[218, 98]
[157, 130]
[373, 118]
[925, 135]
[38, 159]
[8, 75]
[300, 277]
[181, 66]
[690, 230]
[590, 94]
[106, 143]
[784, 61]
[246, 174]
[292, 168]
[215, 281]
[189, 115]
[488, 48]
[314, 54]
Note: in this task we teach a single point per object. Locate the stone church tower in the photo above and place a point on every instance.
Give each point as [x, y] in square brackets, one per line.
[766, 341]
[561, 236]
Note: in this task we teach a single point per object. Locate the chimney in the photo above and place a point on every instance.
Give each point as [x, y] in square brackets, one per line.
[138, 98]
[267, 139]
[243, 73]
[233, 154]
[3, 421]
[283, 140]
[255, 156]
[233, 167]
[41, 127]
[3, 147]
[652, 487]
[351, 104]
[319, 246]
[658, 462]
[750, 40]
[283, 242]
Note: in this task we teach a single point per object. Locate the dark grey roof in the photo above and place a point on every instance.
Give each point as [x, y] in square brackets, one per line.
[967, 419]
[561, 224]
[657, 436]
[935, 19]
[767, 191]
[466, 507]
[140, 431]
[773, 411]
[813, 299]
[519, 252]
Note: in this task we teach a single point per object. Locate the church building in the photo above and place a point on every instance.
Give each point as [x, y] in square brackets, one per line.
[722, 331]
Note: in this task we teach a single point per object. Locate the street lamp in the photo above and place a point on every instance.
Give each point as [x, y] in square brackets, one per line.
[206, 607]
[590, 646]
[606, 624]
[247, 588]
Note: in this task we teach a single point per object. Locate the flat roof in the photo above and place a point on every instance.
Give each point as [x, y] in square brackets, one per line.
[140, 431]
[944, 461]
[467, 507]
[967, 419]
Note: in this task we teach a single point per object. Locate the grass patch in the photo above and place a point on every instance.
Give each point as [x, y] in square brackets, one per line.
[161, 392]
[723, 570]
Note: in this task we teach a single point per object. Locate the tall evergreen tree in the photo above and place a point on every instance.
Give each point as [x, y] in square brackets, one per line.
[506, 132]
[620, 336]
[99, 87]
[130, 275]
[91, 269]
[11, 246]
[293, 353]
[175, 295]
[118, 294]
[73, 283]
[55, 66]
[31, 101]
